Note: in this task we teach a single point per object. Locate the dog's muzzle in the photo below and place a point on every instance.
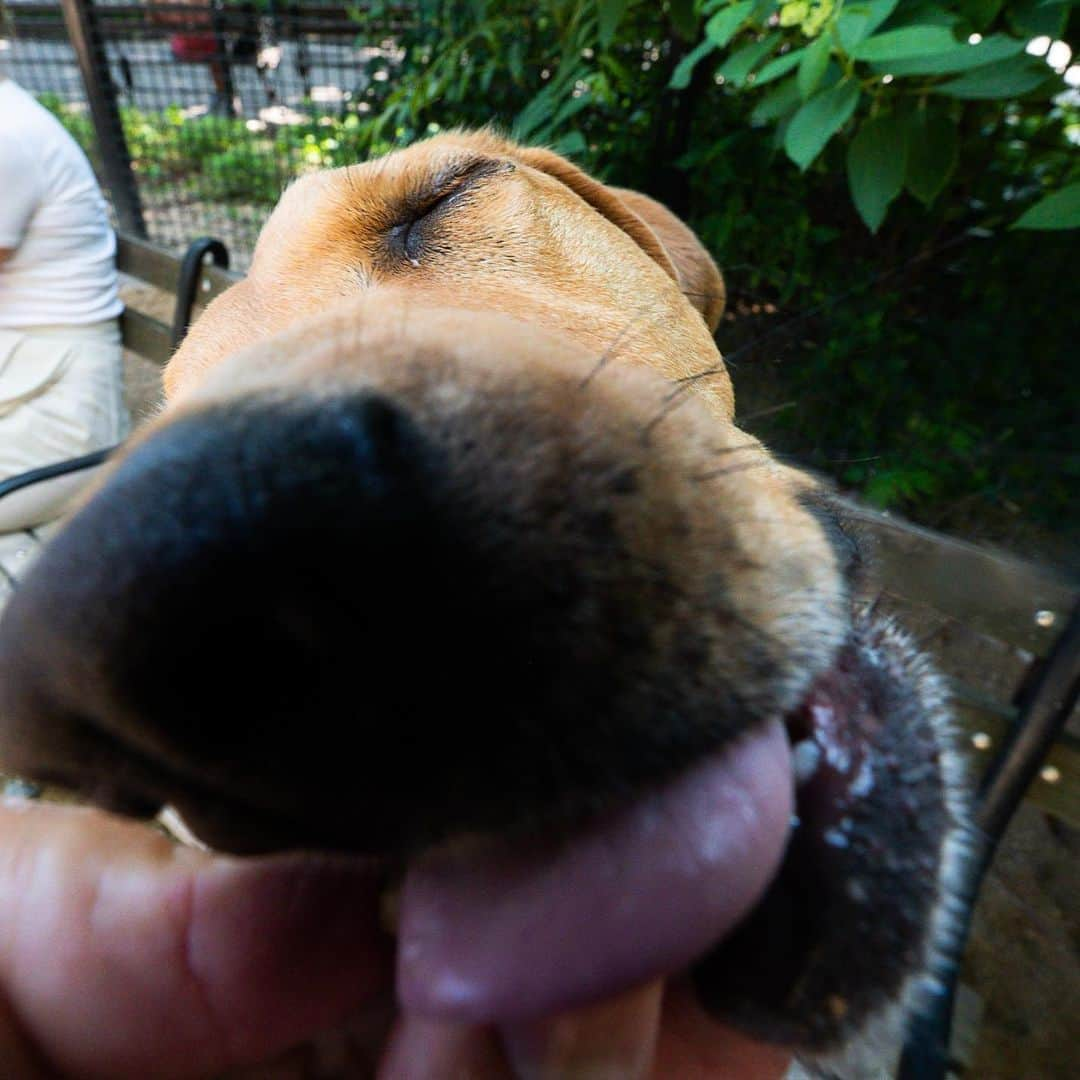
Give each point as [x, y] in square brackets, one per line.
[512, 628]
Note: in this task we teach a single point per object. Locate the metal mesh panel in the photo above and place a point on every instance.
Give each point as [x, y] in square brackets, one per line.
[220, 105]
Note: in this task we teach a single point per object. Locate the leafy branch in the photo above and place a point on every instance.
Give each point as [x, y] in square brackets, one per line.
[894, 81]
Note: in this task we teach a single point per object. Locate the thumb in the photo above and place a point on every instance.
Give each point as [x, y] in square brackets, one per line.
[122, 954]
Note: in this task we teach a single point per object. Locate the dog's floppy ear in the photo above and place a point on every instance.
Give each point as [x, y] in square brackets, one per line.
[601, 199]
[699, 277]
[654, 228]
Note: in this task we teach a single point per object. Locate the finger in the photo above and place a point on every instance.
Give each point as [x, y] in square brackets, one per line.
[125, 955]
[420, 1049]
[615, 1038]
[694, 1046]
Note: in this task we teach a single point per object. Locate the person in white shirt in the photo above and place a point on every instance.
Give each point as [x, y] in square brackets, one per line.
[61, 375]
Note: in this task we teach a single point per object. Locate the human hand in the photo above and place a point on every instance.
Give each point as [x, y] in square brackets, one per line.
[125, 955]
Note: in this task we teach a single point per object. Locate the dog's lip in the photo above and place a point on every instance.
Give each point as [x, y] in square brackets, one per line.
[495, 931]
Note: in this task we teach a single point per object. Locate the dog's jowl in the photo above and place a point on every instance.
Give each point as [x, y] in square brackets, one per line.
[445, 549]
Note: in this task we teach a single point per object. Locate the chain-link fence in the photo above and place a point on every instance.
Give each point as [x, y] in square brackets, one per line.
[197, 114]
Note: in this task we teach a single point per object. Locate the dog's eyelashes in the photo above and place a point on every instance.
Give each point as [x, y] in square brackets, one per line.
[408, 236]
[405, 240]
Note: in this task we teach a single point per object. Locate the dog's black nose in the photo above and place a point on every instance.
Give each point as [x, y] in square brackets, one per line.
[251, 587]
[326, 623]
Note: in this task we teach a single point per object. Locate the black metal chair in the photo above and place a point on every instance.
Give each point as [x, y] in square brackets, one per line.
[1045, 700]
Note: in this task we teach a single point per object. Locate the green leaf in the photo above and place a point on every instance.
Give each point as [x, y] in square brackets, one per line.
[723, 26]
[876, 162]
[570, 107]
[819, 120]
[813, 65]
[535, 113]
[1060, 210]
[904, 44]
[774, 69]
[741, 62]
[857, 22]
[777, 103]
[932, 154]
[963, 57]
[573, 142]
[680, 77]
[1008, 79]
[609, 14]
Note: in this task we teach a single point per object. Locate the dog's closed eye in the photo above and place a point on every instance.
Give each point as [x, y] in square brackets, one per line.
[419, 211]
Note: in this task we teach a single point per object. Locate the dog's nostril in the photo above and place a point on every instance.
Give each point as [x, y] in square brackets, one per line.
[367, 441]
[381, 422]
[352, 456]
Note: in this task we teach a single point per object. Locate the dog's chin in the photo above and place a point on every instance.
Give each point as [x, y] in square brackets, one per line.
[847, 926]
[798, 873]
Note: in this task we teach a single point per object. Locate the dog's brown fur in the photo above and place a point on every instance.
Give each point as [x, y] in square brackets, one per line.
[538, 240]
[551, 338]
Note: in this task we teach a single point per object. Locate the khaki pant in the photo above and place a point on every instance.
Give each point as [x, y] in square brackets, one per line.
[61, 396]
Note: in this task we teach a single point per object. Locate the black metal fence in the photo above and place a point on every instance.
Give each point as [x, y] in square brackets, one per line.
[197, 114]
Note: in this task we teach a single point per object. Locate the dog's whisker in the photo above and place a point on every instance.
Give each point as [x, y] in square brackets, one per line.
[720, 451]
[852, 460]
[758, 414]
[688, 380]
[670, 404]
[872, 607]
[609, 352]
[702, 295]
[677, 396]
[715, 474]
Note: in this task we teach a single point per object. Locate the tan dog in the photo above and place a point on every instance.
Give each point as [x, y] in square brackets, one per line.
[446, 548]
[421, 221]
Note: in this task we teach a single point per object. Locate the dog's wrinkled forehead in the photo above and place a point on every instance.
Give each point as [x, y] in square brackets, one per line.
[479, 179]
[476, 222]
[343, 214]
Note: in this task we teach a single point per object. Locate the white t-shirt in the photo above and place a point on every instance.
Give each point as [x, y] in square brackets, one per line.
[52, 213]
